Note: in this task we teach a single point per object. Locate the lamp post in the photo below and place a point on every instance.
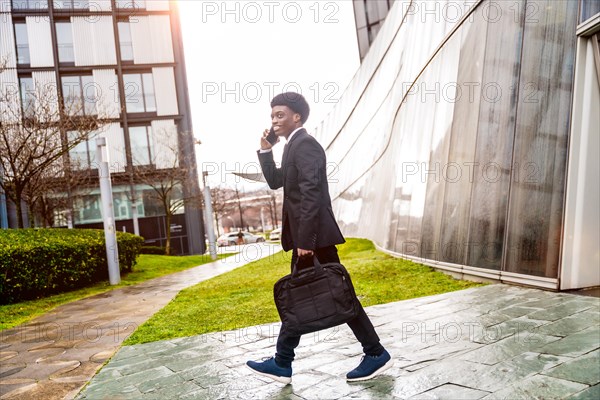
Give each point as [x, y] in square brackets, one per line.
[208, 218]
[108, 215]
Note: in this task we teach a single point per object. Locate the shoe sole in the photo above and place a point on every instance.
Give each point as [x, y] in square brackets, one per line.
[280, 379]
[384, 368]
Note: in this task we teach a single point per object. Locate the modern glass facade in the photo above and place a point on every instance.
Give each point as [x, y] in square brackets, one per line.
[450, 144]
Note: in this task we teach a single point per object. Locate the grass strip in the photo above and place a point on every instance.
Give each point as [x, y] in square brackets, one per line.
[244, 297]
[148, 267]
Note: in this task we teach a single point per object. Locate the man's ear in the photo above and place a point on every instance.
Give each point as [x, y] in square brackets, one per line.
[297, 117]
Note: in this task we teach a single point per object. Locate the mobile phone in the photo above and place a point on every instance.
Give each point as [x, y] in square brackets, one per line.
[271, 137]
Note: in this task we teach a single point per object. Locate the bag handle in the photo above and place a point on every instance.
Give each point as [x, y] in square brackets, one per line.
[316, 265]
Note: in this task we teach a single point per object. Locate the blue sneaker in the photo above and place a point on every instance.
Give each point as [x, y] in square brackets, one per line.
[370, 367]
[270, 369]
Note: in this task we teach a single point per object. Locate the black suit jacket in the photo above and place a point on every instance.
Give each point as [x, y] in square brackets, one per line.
[308, 221]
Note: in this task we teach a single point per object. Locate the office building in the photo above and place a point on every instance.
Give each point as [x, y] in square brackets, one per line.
[122, 60]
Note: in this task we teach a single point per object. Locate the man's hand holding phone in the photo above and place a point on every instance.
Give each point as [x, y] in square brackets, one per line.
[268, 140]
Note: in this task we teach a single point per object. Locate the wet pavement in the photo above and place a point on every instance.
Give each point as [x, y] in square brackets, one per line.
[55, 355]
[491, 342]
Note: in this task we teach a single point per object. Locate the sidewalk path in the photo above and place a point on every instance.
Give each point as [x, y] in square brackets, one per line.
[53, 356]
[491, 342]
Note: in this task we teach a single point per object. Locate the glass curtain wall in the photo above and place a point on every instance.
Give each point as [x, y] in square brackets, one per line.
[461, 158]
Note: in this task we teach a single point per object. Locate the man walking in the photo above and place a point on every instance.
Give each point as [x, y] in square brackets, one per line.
[309, 228]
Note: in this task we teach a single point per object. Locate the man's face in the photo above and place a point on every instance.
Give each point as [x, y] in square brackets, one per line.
[284, 120]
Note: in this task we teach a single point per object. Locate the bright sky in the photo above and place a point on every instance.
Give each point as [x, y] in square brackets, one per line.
[239, 54]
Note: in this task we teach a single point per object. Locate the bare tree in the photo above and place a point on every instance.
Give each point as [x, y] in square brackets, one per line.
[38, 129]
[166, 174]
[239, 205]
[57, 189]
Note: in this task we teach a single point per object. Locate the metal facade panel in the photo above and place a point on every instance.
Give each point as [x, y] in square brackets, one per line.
[166, 93]
[94, 41]
[140, 34]
[47, 95]
[107, 93]
[166, 150]
[116, 146]
[40, 42]
[160, 34]
[7, 41]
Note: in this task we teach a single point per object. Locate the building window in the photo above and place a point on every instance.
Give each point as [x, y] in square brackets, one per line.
[139, 93]
[64, 38]
[27, 96]
[140, 139]
[71, 4]
[30, 5]
[79, 94]
[83, 155]
[22, 42]
[125, 42]
[588, 9]
[136, 4]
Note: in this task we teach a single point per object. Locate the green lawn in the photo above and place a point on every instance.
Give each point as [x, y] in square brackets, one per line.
[148, 267]
[244, 297]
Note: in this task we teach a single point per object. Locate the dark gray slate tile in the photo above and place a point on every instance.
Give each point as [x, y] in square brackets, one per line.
[584, 369]
[576, 344]
[538, 387]
[508, 348]
[450, 391]
[591, 393]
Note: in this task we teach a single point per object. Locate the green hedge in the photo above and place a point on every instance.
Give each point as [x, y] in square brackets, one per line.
[36, 263]
[156, 250]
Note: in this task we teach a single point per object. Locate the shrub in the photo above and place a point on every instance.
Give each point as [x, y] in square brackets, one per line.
[39, 262]
[157, 250]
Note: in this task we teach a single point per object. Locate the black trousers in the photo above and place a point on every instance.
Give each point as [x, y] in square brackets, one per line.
[361, 325]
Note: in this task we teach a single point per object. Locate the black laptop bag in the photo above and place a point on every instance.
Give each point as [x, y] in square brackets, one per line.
[315, 298]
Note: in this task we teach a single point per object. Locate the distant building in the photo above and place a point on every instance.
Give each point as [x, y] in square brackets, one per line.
[129, 55]
[468, 139]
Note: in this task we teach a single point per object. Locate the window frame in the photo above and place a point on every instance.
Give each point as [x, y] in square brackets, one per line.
[21, 45]
[60, 46]
[144, 96]
[70, 5]
[85, 101]
[27, 97]
[124, 44]
[149, 148]
[17, 5]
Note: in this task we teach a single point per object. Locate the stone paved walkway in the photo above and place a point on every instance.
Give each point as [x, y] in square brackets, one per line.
[55, 355]
[492, 342]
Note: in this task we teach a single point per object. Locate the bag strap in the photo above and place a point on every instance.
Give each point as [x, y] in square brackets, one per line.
[316, 265]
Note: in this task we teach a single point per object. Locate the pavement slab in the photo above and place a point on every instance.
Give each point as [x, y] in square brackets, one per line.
[544, 347]
[55, 355]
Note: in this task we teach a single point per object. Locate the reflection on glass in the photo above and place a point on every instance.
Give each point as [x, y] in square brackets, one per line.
[149, 97]
[71, 4]
[22, 42]
[125, 41]
[64, 39]
[139, 93]
[140, 139]
[136, 4]
[27, 96]
[589, 8]
[466, 164]
[29, 4]
[79, 94]
[542, 126]
[83, 155]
